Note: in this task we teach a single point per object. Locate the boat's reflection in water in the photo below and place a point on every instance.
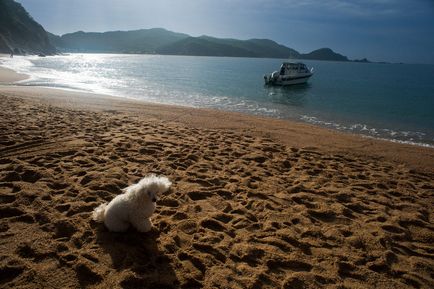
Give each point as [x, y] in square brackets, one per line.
[291, 95]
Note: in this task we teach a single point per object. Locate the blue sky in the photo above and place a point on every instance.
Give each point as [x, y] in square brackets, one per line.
[380, 30]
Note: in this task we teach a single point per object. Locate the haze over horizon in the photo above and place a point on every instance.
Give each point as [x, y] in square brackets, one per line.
[380, 30]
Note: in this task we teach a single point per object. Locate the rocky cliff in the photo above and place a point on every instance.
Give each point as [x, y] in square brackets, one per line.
[20, 33]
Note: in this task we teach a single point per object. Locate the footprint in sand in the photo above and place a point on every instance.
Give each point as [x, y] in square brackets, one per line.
[86, 275]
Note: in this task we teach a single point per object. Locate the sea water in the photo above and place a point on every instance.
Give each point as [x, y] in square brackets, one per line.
[389, 101]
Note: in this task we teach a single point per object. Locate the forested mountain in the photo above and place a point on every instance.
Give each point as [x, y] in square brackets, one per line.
[324, 54]
[135, 41]
[162, 41]
[210, 46]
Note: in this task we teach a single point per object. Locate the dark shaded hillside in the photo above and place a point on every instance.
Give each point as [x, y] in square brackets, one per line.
[20, 33]
[203, 47]
[324, 54]
[269, 48]
[161, 41]
[135, 41]
[55, 40]
[211, 46]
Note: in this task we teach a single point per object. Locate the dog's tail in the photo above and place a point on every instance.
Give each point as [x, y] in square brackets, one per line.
[99, 212]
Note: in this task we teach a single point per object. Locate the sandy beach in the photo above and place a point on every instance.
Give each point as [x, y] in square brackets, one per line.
[255, 203]
[8, 76]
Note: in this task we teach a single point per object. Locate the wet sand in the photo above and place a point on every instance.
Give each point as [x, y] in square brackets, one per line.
[256, 202]
[8, 76]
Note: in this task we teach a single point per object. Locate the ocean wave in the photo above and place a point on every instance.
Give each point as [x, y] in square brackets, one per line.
[406, 137]
[20, 64]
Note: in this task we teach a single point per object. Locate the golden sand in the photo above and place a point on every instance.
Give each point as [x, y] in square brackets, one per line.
[255, 202]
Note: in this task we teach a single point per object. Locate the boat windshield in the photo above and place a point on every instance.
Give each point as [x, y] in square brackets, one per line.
[295, 67]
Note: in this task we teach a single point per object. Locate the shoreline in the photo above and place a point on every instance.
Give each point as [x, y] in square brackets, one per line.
[282, 130]
[377, 133]
[9, 76]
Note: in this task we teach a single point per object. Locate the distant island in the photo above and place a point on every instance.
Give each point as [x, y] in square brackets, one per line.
[21, 34]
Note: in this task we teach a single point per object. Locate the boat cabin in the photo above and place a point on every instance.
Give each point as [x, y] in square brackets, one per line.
[292, 67]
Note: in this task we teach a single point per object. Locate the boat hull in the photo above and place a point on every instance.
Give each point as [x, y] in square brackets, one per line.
[286, 80]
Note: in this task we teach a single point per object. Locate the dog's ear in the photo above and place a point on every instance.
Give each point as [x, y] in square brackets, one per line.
[165, 183]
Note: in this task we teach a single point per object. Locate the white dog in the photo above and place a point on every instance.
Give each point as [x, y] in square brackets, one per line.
[135, 206]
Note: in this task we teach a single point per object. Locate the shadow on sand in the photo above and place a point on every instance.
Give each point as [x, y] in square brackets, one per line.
[139, 253]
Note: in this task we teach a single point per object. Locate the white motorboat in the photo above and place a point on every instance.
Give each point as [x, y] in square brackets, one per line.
[290, 73]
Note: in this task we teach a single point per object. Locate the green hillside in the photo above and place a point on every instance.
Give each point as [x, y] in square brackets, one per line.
[135, 41]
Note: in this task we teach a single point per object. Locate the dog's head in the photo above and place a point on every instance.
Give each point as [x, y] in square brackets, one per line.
[148, 189]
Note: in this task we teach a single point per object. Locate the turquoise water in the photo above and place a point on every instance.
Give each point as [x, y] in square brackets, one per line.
[391, 101]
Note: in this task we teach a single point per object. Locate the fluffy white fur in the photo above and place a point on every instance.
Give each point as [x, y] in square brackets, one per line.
[134, 207]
